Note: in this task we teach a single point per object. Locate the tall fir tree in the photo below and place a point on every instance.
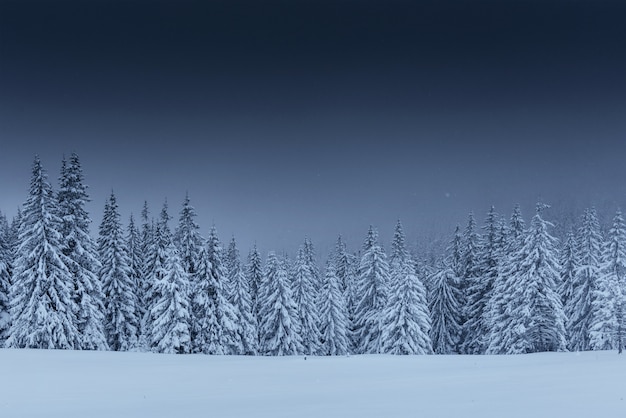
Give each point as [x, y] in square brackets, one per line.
[472, 288]
[155, 271]
[278, 314]
[569, 265]
[215, 328]
[480, 288]
[534, 320]
[346, 269]
[207, 336]
[333, 314]
[187, 238]
[135, 259]
[614, 272]
[242, 302]
[311, 260]
[5, 279]
[511, 245]
[446, 302]
[405, 319]
[227, 315]
[81, 251]
[121, 323]
[581, 304]
[254, 274]
[372, 296]
[171, 311]
[43, 311]
[305, 295]
[144, 284]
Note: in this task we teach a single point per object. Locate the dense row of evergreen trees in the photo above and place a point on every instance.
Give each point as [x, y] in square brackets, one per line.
[501, 290]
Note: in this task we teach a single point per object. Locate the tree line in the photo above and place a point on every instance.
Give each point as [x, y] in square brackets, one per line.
[504, 288]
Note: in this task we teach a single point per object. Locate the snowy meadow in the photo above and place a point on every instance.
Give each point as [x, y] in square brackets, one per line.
[69, 384]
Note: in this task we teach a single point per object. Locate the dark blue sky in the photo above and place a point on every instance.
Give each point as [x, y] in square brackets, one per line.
[313, 118]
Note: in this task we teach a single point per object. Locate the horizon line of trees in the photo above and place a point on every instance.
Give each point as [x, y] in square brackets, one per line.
[503, 288]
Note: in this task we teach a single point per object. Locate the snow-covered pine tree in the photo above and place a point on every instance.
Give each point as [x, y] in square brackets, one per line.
[568, 265]
[471, 285]
[311, 261]
[511, 243]
[155, 270]
[405, 319]
[332, 314]
[372, 293]
[604, 299]
[171, 330]
[121, 323]
[480, 288]
[446, 302]
[187, 238]
[346, 269]
[278, 315]
[580, 306]
[241, 301]
[5, 279]
[226, 313]
[534, 319]
[135, 257]
[42, 308]
[305, 295]
[206, 330]
[254, 274]
[614, 270]
[80, 249]
[344, 263]
[143, 251]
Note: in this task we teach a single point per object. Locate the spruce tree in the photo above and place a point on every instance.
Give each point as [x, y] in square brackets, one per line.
[242, 303]
[188, 239]
[472, 286]
[305, 292]
[446, 302]
[372, 296]
[171, 329]
[333, 315]
[278, 315]
[121, 324]
[534, 319]
[215, 328]
[135, 258]
[480, 287]
[405, 319]
[569, 265]
[614, 272]
[155, 270]
[43, 311]
[143, 251]
[5, 279]
[80, 249]
[254, 274]
[311, 261]
[207, 335]
[226, 313]
[585, 284]
[511, 243]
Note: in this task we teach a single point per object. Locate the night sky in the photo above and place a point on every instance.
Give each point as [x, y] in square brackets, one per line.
[311, 118]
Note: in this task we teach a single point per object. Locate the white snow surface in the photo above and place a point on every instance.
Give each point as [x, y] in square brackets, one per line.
[56, 383]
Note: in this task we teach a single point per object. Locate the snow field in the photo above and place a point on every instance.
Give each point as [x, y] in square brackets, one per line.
[69, 384]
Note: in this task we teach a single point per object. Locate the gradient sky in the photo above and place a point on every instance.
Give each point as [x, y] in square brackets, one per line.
[312, 118]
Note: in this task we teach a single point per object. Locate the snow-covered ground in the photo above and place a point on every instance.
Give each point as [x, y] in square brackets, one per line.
[38, 383]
